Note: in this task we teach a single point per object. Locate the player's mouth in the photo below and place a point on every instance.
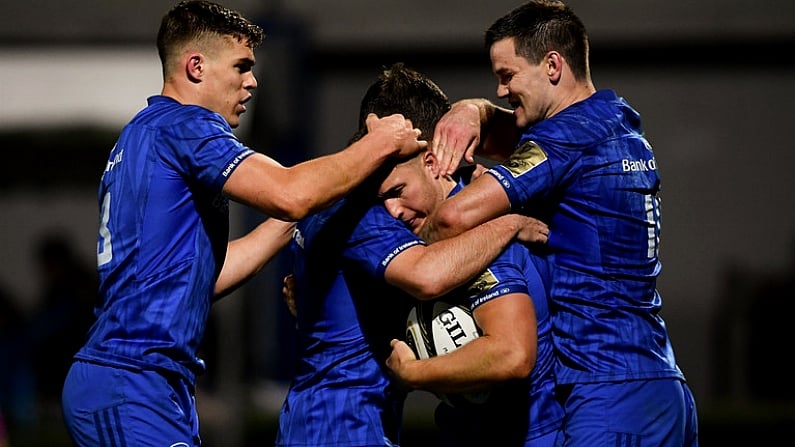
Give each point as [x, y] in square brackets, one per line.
[416, 224]
[411, 223]
[242, 106]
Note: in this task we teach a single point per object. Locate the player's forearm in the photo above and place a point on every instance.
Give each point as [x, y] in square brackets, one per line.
[295, 192]
[247, 255]
[476, 366]
[316, 184]
[450, 263]
[479, 202]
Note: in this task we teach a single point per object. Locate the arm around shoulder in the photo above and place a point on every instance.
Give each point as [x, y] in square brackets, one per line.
[427, 272]
[480, 201]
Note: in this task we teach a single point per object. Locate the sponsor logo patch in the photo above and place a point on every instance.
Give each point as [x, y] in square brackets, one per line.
[525, 158]
[486, 281]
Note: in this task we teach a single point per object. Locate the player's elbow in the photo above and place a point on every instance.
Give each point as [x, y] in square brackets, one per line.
[426, 293]
[291, 206]
[427, 285]
[517, 363]
[449, 220]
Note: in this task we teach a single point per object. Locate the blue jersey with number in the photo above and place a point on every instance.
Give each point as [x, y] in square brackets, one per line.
[341, 394]
[519, 411]
[592, 173]
[163, 234]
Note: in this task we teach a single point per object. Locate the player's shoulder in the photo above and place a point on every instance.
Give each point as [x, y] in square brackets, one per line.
[169, 115]
[584, 123]
[324, 223]
[515, 253]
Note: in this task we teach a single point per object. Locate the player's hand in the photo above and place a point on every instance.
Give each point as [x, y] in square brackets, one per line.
[532, 230]
[405, 137]
[456, 137]
[399, 358]
[288, 291]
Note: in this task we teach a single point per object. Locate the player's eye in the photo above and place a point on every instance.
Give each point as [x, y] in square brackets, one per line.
[391, 193]
[244, 67]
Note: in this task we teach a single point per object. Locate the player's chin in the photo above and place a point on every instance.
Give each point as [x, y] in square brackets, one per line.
[233, 120]
[521, 118]
[417, 225]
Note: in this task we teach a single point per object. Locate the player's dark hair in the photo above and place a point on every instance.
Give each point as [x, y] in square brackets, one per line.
[402, 90]
[191, 20]
[539, 26]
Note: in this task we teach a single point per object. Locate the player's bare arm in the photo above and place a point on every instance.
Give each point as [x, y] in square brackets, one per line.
[247, 255]
[480, 201]
[506, 350]
[292, 193]
[427, 272]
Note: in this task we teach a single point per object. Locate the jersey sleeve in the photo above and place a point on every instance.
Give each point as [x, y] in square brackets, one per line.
[377, 240]
[209, 152]
[543, 161]
[504, 276]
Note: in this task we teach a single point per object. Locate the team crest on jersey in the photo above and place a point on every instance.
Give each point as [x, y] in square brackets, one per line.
[485, 282]
[525, 158]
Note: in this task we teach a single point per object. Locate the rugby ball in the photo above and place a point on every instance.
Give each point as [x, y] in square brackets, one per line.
[440, 327]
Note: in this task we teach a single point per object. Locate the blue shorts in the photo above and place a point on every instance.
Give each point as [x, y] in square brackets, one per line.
[104, 406]
[660, 413]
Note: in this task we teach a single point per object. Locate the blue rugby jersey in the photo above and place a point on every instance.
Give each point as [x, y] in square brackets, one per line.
[347, 313]
[591, 172]
[162, 240]
[341, 394]
[520, 409]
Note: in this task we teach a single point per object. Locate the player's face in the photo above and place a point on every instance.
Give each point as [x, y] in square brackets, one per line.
[411, 192]
[230, 79]
[524, 85]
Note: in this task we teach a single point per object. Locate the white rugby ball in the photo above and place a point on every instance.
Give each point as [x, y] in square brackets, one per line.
[440, 327]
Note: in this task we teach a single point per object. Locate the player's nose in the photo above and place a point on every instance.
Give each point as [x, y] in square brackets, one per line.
[393, 208]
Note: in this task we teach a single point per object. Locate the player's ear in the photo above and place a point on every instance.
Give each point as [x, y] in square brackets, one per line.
[554, 65]
[428, 160]
[194, 68]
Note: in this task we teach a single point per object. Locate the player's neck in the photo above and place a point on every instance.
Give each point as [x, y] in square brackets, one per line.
[178, 93]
